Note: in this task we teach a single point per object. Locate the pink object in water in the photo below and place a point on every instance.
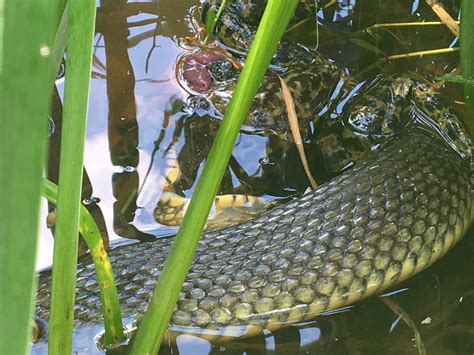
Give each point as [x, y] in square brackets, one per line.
[195, 71]
[206, 58]
[196, 75]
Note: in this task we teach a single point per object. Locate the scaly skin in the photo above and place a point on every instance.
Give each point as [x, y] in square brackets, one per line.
[363, 232]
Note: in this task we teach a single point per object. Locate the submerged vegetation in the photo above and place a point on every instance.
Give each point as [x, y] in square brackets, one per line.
[32, 41]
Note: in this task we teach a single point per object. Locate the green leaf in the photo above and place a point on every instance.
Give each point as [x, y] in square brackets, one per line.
[459, 79]
[368, 46]
[103, 269]
[211, 20]
[155, 322]
[27, 31]
[81, 21]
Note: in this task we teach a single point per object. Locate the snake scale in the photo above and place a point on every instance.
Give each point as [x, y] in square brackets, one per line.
[363, 232]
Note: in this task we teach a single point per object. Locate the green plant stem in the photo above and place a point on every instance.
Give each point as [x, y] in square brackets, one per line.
[454, 78]
[377, 64]
[155, 322]
[212, 21]
[406, 24]
[421, 53]
[467, 53]
[27, 31]
[81, 21]
[60, 39]
[105, 278]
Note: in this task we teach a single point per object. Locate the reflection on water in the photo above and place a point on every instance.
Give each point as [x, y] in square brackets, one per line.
[138, 124]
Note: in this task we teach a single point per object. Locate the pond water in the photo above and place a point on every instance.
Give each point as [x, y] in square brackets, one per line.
[137, 126]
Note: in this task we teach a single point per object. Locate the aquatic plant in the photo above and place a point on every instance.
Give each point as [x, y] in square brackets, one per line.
[154, 324]
[42, 30]
[27, 33]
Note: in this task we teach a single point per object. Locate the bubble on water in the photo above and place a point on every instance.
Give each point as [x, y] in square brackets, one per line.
[51, 127]
[128, 169]
[61, 70]
[91, 200]
[119, 346]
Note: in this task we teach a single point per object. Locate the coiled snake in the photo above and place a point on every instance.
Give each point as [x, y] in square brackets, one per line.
[363, 232]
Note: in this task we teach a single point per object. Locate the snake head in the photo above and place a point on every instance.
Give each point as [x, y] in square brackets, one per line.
[430, 112]
[376, 110]
[383, 107]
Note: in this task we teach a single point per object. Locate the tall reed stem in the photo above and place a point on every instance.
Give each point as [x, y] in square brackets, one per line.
[155, 322]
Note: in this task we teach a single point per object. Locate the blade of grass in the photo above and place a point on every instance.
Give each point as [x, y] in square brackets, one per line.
[211, 20]
[467, 53]
[105, 278]
[455, 78]
[368, 46]
[407, 24]
[295, 130]
[81, 21]
[155, 322]
[60, 39]
[378, 64]
[26, 36]
[421, 53]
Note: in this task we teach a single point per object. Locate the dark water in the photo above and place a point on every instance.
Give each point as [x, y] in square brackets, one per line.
[136, 124]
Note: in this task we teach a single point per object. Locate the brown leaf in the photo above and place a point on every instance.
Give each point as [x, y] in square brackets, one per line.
[444, 16]
[295, 130]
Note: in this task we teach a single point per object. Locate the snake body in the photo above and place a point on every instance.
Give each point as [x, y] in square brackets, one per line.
[366, 230]
[361, 233]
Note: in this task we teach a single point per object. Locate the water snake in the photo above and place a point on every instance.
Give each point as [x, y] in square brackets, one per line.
[364, 231]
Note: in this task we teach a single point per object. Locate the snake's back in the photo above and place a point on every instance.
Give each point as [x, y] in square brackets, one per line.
[361, 233]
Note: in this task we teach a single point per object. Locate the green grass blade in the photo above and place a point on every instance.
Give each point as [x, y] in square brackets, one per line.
[60, 39]
[105, 278]
[154, 324]
[368, 46]
[453, 78]
[27, 30]
[211, 20]
[467, 53]
[81, 21]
